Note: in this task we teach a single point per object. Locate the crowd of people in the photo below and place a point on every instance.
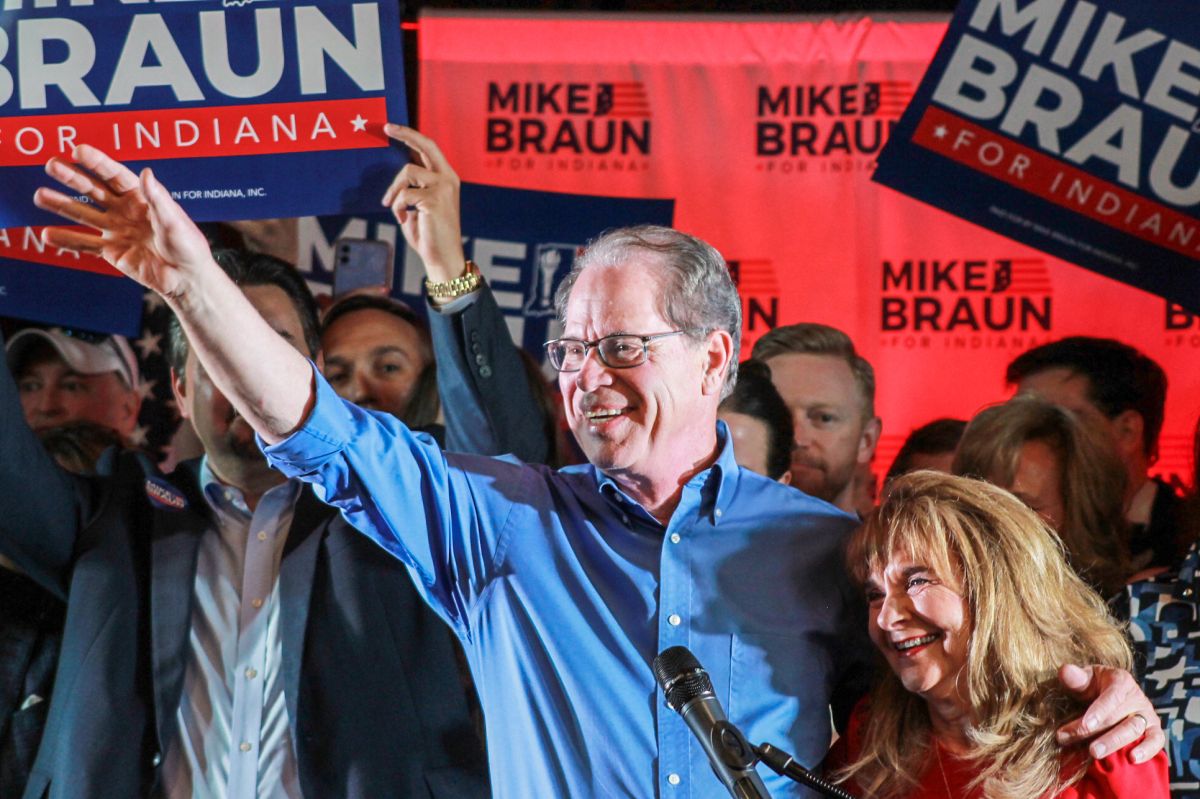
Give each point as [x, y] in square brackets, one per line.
[384, 556]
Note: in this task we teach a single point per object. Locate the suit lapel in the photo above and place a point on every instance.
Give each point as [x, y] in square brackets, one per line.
[295, 588]
[174, 545]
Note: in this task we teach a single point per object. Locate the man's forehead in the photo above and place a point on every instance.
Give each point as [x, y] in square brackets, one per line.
[810, 379]
[623, 296]
[1062, 386]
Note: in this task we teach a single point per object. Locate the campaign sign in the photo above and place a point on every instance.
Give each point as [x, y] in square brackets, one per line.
[1071, 126]
[244, 108]
[40, 283]
[524, 243]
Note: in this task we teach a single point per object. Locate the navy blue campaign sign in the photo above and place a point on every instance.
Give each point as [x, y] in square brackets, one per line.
[1070, 126]
[40, 283]
[524, 242]
[244, 108]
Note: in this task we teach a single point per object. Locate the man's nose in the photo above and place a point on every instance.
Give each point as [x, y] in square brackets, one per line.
[47, 403]
[593, 372]
[360, 388]
[802, 430]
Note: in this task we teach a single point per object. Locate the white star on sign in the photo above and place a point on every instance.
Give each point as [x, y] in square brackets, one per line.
[146, 389]
[940, 132]
[148, 344]
[359, 123]
[138, 437]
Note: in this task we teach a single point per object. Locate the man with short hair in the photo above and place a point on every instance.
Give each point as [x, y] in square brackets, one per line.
[376, 349]
[228, 634]
[831, 391]
[68, 375]
[1120, 392]
[563, 586]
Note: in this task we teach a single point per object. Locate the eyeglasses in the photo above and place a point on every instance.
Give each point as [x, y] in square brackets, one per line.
[618, 351]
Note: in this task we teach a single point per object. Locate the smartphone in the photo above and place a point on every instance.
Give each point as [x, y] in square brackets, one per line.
[361, 264]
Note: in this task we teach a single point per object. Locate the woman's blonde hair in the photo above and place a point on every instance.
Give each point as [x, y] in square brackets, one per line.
[1029, 614]
[1093, 528]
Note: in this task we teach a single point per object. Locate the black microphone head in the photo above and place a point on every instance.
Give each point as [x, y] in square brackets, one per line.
[681, 676]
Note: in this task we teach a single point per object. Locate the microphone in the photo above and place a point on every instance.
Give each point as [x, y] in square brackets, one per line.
[689, 693]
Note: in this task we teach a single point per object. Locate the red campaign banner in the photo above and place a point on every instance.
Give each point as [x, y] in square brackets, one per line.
[154, 134]
[25, 244]
[765, 133]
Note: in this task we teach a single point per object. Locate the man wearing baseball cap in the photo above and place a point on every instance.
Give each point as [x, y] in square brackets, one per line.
[67, 375]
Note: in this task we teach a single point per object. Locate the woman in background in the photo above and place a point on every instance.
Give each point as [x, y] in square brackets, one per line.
[974, 608]
[1055, 465]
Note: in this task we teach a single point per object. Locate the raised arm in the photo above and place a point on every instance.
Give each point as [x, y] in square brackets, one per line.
[142, 231]
[488, 404]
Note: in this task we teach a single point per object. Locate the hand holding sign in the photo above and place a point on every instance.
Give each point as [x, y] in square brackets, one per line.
[424, 196]
[141, 230]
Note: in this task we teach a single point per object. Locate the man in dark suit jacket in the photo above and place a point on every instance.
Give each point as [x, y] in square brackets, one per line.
[363, 695]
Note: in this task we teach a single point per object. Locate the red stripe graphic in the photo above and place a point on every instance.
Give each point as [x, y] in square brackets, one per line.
[199, 132]
[25, 244]
[1058, 182]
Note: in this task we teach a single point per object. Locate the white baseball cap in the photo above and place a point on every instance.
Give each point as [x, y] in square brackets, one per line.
[86, 353]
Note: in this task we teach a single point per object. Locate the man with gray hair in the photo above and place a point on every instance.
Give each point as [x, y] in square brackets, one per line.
[562, 585]
[830, 389]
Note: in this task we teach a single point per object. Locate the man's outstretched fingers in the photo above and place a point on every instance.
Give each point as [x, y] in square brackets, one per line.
[79, 241]
[77, 180]
[67, 207]
[116, 175]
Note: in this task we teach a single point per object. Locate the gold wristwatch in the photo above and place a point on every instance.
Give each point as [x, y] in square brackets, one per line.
[460, 286]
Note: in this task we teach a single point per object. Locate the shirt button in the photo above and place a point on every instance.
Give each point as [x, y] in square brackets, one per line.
[245, 747]
[673, 779]
[256, 602]
[262, 535]
[675, 538]
[674, 620]
[251, 674]
[717, 513]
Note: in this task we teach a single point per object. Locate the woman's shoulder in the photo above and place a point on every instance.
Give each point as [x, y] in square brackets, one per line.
[848, 746]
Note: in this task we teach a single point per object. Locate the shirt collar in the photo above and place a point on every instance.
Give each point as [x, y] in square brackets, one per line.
[228, 499]
[715, 484]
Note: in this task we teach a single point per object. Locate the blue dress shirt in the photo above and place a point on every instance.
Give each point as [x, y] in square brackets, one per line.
[563, 590]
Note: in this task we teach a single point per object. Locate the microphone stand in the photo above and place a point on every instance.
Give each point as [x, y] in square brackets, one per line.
[785, 765]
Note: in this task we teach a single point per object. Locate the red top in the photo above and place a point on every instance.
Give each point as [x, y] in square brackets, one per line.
[1110, 778]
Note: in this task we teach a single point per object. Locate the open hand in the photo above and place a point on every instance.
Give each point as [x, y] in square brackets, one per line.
[140, 229]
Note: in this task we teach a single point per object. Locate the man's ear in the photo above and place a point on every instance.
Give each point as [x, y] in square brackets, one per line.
[131, 406]
[785, 478]
[718, 357]
[179, 389]
[869, 439]
[1129, 428]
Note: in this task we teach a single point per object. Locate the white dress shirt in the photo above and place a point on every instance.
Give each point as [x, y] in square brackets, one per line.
[233, 740]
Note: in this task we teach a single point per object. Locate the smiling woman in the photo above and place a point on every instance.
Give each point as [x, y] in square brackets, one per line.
[974, 608]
